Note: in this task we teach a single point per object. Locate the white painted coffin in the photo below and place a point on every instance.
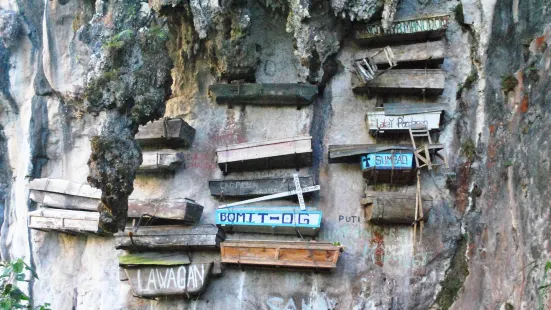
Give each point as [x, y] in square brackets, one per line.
[378, 121]
[64, 194]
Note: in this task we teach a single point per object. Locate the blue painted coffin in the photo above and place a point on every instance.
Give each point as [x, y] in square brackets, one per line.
[388, 161]
[273, 220]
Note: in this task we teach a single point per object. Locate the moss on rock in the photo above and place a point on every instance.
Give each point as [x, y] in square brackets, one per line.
[455, 276]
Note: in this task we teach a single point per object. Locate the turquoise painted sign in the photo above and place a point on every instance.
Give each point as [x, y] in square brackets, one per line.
[277, 217]
[384, 161]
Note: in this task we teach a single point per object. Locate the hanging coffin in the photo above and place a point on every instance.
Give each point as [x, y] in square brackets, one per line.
[274, 220]
[400, 117]
[165, 274]
[161, 162]
[432, 52]
[63, 194]
[292, 152]
[172, 133]
[417, 29]
[300, 254]
[184, 210]
[169, 237]
[264, 94]
[255, 187]
[68, 221]
[403, 81]
[393, 207]
[395, 166]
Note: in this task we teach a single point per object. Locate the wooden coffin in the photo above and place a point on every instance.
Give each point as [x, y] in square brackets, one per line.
[57, 193]
[304, 254]
[169, 237]
[434, 52]
[70, 221]
[352, 153]
[185, 210]
[165, 274]
[279, 153]
[264, 94]
[416, 29]
[393, 207]
[255, 187]
[403, 81]
[273, 220]
[172, 133]
[161, 162]
[381, 120]
[394, 166]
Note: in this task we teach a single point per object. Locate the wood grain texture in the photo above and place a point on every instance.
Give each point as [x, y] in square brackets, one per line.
[393, 207]
[403, 81]
[255, 187]
[167, 237]
[264, 94]
[174, 209]
[434, 51]
[173, 133]
[65, 220]
[161, 161]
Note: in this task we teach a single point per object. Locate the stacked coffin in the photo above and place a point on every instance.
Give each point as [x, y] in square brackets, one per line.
[264, 94]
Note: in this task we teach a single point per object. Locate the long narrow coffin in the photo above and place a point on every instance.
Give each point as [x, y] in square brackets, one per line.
[169, 237]
[417, 29]
[403, 81]
[393, 207]
[433, 51]
[184, 210]
[273, 220]
[304, 254]
[71, 221]
[279, 153]
[57, 193]
[161, 161]
[352, 153]
[393, 166]
[399, 120]
[165, 274]
[255, 187]
[264, 94]
[166, 132]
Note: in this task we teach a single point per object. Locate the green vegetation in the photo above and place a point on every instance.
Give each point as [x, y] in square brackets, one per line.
[455, 276]
[468, 84]
[508, 163]
[118, 41]
[458, 12]
[508, 83]
[157, 33]
[532, 73]
[11, 296]
[468, 149]
[544, 286]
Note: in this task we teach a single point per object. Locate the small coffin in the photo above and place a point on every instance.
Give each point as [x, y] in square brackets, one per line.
[63, 194]
[274, 220]
[161, 162]
[381, 121]
[172, 133]
[433, 52]
[403, 81]
[302, 254]
[264, 94]
[165, 274]
[255, 187]
[417, 29]
[174, 209]
[69, 221]
[279, 153]
[393, 208]
[394, 166]
[169, 237]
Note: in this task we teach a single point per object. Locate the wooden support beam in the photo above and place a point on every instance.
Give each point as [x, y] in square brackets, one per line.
[403, 81]
[435, 51]
[393, 207]
[255, 187]
[173, 133]
[159, 161]
[175, 209]
[169, 237]
[60, 220]
[264, 94]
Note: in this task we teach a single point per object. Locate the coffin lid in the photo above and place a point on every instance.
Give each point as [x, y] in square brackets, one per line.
[65, 187]
[259, 143]
[339, 153]
[412, 108]
[154, 259]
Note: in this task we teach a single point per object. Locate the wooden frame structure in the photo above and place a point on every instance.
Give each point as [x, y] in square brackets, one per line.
[255, 187]
[169, 237]
[264, 94]
[185, 210]
[393, 166]
[171, 132]
[432, 52]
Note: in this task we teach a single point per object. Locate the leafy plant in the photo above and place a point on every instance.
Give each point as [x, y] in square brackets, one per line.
[508, 83]
[11, 296]
[469, 149]
[542, 289]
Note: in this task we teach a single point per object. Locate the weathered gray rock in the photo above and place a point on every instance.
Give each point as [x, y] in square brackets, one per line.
[10, 27]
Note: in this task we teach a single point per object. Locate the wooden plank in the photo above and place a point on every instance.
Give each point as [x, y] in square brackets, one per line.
[378, 121]
[264, 94]
[255, 187]
[352, 153]
[272, 220]
[157, 161]
[303, 254]
[271, 197]
[173, 133]
[179, 280]
[434, 51]
[154, 259]
[403, 81]
[65, 220]
[393, 207]
[62, 201]
[270, 154]
[176, 209]
[405, 30]
[167, 237]
[66, 187]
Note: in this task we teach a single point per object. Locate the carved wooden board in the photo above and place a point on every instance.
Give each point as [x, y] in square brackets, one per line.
[174, 209]
[269, 154]
[378, 121]
[159, 161]
[434, 51]
[71, 221]
[166, 237]
[264, 94]
[255, 187]
[393, 207]
[403, 81]
[304, 254]
[170, 132]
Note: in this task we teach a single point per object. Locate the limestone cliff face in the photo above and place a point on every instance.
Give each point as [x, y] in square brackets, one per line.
[77, 77]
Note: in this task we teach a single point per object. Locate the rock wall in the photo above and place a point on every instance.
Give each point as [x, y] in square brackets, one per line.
[485, 242]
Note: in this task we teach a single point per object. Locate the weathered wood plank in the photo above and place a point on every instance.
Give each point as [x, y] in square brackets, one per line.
[264, 94]
[403, 81]
[65, 220]
[434, 51]
[393, 207]
[62, 201]
[273, 220]
[154, 259]
[175, 209]
[418, 29]
[304, 254]
[255, 187]
[167, 237]
[64, 194]
[157, 161]
[166, 132]
[158, 281]
[352, 153]
[269, 154]
[378, 121]
[65, 187]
